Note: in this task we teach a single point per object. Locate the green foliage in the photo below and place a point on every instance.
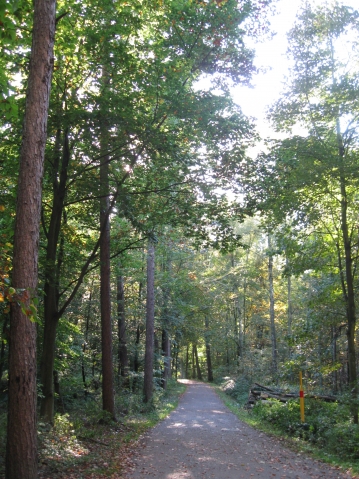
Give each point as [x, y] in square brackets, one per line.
[343, 440]
[325, 424]
[86, 437]
[239, 391]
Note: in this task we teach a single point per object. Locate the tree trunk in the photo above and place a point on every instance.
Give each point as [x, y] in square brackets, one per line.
[52, 274]
[199, 373]
[166, 353]
[150, 323]
[21, 453]
[175, 363]
[187, 361]
[242, 320]
[271, 309]
[108, 399]
[334, 360]
[348, 291]
[208, 351]
[289, 300]
[193, 363]
[166, 345]
[289, 310]
[136, 362]
[122, 340]
[47, 369]
[237, 327]
[84, 346]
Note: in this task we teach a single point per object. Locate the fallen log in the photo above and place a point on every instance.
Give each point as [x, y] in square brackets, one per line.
[259, 392]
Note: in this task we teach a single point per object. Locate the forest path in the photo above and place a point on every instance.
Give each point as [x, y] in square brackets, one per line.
[203, 439]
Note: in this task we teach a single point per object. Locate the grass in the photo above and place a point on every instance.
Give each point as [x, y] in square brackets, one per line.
[295, 443]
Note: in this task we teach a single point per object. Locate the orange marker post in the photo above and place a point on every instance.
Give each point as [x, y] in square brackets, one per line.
[301, 397]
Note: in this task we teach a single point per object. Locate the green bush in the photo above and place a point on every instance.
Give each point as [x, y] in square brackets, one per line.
[324, 424]
[343, 440]
[284, 416]
[240, 390]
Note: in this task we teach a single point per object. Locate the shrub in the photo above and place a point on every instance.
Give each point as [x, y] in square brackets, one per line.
[343, 440]
[239, 390]
[324, 424]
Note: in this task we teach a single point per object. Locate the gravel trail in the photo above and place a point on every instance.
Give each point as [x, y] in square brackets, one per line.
[203, 439]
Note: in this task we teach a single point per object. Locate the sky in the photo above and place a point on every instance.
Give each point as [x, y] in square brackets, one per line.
[271, 55]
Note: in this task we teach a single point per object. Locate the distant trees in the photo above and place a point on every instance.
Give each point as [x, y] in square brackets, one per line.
[310, 181]
[153, 132]
[131, 135]
[139, 155]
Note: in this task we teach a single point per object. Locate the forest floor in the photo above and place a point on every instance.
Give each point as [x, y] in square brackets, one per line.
[203, 439]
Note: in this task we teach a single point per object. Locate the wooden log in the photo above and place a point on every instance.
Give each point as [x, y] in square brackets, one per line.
[260, 392]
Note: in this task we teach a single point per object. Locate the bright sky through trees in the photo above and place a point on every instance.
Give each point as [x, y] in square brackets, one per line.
[271, 57]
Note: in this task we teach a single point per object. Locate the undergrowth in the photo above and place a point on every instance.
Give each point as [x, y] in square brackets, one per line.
[327, 432]
[87, 443]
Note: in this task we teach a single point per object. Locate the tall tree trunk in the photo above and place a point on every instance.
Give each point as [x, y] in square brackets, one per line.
[108, 399]
[236, 317]
[52, 277]
[289, 298]
[208, 351]
[236, 313]
[334, 360]
[21, 451]
[243, 316]
[166, 345]
[199, 373]
[187, 361]
[348, 281]
[121, 323]
[136, 362]
[271, 308]
[84, 346]
[289, 309]
[166, 353]
[175, 363]
[193, 363]
[150, 323]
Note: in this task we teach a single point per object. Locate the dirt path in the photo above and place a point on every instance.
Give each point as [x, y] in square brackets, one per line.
[203, 439]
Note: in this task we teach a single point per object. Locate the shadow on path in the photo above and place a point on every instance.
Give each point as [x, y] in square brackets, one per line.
[203, 439]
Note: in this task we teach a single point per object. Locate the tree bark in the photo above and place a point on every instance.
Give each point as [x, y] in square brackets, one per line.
[348, 282]
[108, 399]
[121, 324]
[21, 452]
[166, 353]
[166, 344]
[136, 362]
[187, 361]
[289, 298]
[199, 373]
[150, 323]
[52, 278]
[242, 320]
[271, 309]
[208, 351]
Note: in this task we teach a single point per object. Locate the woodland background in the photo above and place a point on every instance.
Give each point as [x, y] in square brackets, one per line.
[167, 246]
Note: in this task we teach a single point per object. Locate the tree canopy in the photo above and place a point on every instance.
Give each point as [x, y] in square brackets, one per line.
[165, 246]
